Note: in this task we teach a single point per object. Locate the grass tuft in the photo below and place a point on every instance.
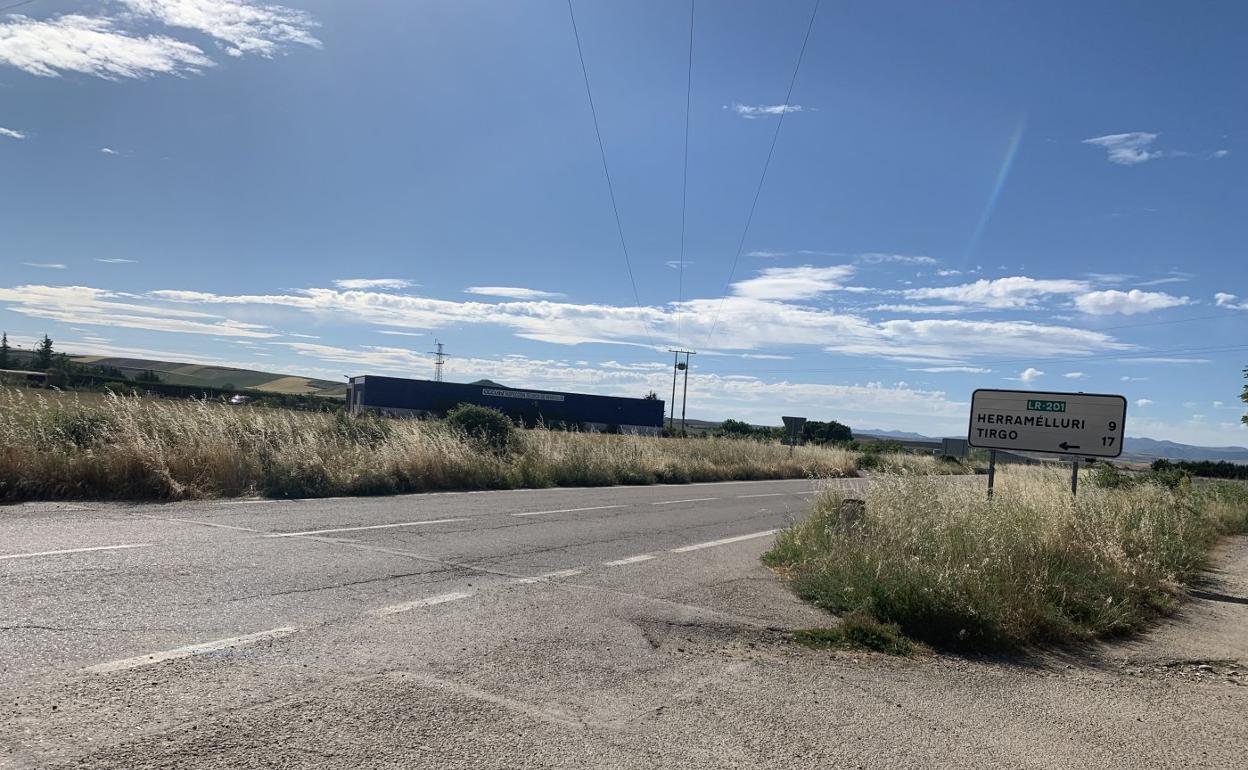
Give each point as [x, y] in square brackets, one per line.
[1031, 566]
[857, 631]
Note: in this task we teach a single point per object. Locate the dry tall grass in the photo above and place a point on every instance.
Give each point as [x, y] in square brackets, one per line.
[1032, 565]
[139, 448]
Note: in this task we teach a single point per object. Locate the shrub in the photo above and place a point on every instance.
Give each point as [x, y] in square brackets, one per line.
[487, 427]
[1033, 565]
[857, 630]
[365, 429]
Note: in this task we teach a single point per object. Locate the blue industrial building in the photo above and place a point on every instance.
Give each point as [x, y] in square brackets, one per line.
[421, 398]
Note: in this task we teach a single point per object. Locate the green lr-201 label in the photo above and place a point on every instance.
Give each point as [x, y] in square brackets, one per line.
[1036, 405]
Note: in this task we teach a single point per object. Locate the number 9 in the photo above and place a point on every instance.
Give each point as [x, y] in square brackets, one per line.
[1113, 425]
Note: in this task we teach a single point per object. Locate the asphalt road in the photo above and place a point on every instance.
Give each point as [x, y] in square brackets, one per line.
[620, 627]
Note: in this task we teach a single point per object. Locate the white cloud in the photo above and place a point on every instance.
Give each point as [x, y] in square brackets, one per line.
[1013, 292]
[511, 292]
[373, 283]
[953, 370]
[1220, 153]
[1030, 374]
[750, 112]
[107, 151]
[1127, 149]
[1074, 375]
[98, 307]
[47, 265]
[1189, 404]
[676, 264]
[11, 133]
[1127, 302]
[802, 282]
[948, 273]
[875, 258]
[93, 46]
[1143, 402]
[397, 333]
[243, 27]
[1222, 299]
[1128, 378]
[116, 261]
[765, 254]
[887, 308]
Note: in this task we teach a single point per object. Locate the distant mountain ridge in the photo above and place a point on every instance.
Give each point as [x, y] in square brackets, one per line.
[1138, 449]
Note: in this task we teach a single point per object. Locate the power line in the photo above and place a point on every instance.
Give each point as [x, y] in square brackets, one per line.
[11, 6]
[684, 185]
[763, 177]
[602, 151]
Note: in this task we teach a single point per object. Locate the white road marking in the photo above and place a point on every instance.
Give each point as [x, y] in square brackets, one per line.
[560, 574]
[188, 651]
[630, 560]
[75, 550]
[569, 510]
[548, 576]
[686, 500]
[769, 494]
[249, 502]
[372, 526]
[208, 524]
[417, 604]
[725, 541]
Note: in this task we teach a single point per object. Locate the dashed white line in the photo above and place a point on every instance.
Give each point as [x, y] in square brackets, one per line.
[208, 524]
[686, 500]
[418, 603]
[769, 494]
[630, 560]
[524, 581]
[75, 550]
[724, 541]
[568, 510]
[372, 526]
[188, 651]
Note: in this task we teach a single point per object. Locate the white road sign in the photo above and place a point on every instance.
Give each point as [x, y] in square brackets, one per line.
[1083, 424]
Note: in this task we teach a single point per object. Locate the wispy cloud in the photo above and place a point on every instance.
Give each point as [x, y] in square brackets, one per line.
[876, 258]
[1127, 149]
[802, 282]
[676, 264]
[953, 369]
[1219, 153]
[1074, 375]
[917, 309]
[116, 260]
[119, 46]
[512, 292]
[1131, 302]
[108, 151]
[753, 111]
[400, 334]
[1013, 292]
[241, 26]
[11, 133]
[364, 284]
[93, 46]
[1030, 374]
[1143, 402]
[46, 265]
[1222, 299]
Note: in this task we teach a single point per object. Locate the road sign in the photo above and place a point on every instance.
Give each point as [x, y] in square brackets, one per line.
[793, 427]
[1081, 424]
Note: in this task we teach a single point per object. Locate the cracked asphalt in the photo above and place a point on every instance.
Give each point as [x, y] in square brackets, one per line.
[617, 627]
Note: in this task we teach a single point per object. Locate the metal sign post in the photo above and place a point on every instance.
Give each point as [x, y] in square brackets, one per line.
[992, 470]
[1074, 477]
[793, 429]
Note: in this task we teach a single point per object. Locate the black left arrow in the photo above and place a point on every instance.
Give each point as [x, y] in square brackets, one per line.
[1068, 447]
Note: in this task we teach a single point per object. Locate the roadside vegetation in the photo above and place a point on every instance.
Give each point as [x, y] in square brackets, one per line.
[952, 569]
[102, 446]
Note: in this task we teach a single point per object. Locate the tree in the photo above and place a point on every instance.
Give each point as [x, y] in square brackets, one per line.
[1244, 397]
[43, 354]
[4, 351]
[147, 375]
[651, 396]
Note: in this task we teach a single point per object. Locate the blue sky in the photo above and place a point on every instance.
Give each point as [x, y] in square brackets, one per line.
[964, 195]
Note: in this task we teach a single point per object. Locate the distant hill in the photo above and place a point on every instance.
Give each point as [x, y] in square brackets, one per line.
[1134, 449]
[229, 378]
[1152, 449]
